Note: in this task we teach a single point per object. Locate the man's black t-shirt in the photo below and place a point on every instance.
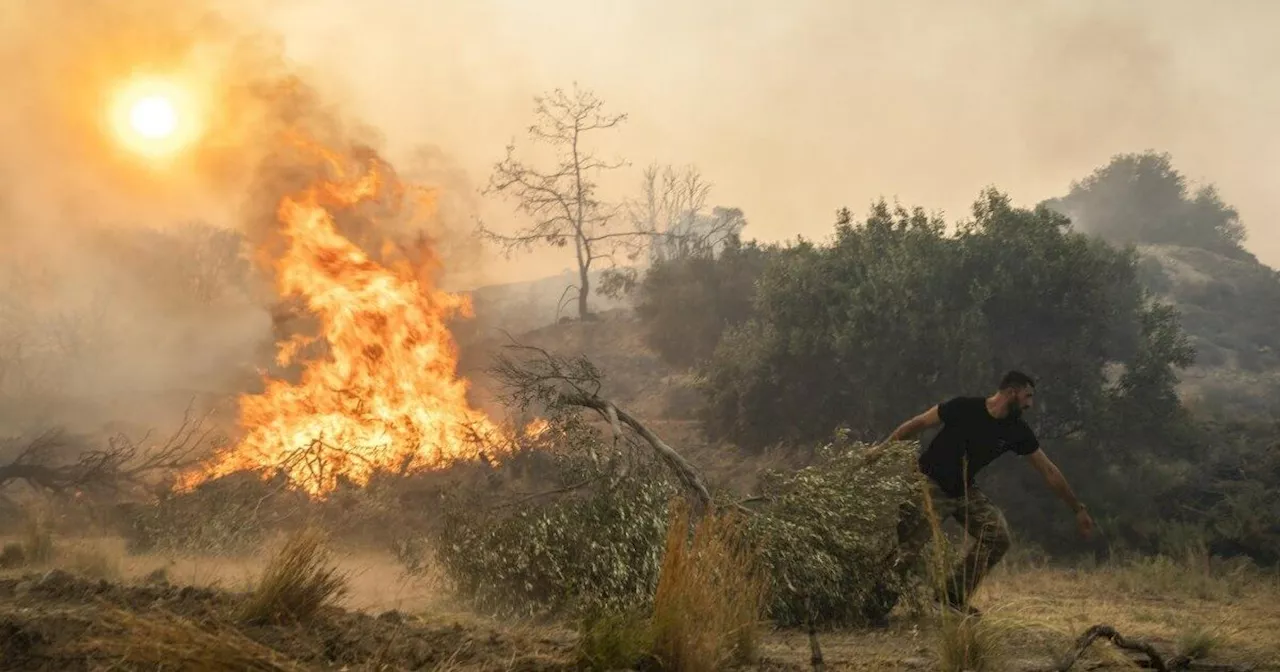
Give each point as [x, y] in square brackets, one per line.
[970, 435]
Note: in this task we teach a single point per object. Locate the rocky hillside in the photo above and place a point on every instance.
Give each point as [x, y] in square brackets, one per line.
[1231, 310]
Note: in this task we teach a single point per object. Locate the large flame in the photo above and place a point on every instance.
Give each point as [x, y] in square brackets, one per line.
[386, 393]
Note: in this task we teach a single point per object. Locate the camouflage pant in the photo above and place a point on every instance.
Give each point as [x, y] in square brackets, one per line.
[987, 530]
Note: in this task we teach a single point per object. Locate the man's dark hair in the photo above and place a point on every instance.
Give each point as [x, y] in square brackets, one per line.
[1016, 380]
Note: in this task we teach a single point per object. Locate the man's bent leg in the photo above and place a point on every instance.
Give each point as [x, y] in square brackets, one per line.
[913, 532]
[989, 542]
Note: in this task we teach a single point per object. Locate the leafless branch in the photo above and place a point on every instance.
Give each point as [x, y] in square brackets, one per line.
[122, 463]
[540, 378]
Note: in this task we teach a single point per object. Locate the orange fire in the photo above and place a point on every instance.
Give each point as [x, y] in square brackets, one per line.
[385, 395]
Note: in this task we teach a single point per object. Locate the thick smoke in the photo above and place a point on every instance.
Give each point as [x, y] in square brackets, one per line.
[131, 286]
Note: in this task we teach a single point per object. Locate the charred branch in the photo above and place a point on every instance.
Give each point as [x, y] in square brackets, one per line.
[1150, 657]
[123, 463]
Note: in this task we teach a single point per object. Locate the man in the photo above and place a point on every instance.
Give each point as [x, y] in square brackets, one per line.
[975, 431]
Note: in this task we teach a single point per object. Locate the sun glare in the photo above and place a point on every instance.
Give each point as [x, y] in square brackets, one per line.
[152, 117]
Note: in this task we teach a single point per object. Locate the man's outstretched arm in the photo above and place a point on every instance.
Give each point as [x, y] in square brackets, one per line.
[1058, 483]
[910, 428]
[906, 430]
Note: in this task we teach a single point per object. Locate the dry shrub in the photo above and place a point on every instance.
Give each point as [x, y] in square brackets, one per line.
[711, 594]
[13, 555]
[37, 536]
[95, 561]
[297, 582]
[164, 641]
[227, 516]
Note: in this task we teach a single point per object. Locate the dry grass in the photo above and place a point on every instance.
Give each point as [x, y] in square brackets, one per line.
[1177, 606]
[297, 582]
[710, 596]
[964, 642]
[1199, 641]
[37, 536]
[95, 561]
[167, 642]
[969, 643]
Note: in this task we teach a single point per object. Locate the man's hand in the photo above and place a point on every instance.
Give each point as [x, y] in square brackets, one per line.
[1052, 476]
[1084, 522]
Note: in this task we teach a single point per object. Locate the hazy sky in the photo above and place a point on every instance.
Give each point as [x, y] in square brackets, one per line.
[793, 109]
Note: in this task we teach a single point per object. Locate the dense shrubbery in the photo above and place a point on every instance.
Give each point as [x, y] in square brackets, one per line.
[688, 302]
[896, 315]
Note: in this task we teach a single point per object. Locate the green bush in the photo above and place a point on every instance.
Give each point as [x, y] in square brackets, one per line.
[828, 529]
[596, 548]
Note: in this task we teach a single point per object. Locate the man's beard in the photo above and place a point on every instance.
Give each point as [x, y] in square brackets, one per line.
[1015, 410]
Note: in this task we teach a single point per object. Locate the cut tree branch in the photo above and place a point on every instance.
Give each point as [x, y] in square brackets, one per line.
[683, 470]
[546, 380]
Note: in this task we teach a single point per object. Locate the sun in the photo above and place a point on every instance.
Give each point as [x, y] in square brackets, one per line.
[153, 117]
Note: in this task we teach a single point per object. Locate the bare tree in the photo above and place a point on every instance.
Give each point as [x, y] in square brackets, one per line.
[562, 200]
[670, 213]
[671, 210]
[670, 201]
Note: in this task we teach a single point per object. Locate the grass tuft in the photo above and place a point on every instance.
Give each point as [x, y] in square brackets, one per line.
[710, 597]
[614, 641]
[297, 582]
[1199, 642]
[968, 643]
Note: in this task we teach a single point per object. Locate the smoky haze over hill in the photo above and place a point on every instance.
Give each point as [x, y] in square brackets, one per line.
[793, 111]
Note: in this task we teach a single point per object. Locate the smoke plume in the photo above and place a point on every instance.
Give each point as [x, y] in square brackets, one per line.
[131, 284]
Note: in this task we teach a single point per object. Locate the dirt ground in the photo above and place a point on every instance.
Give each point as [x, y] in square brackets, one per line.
[1039, 613]
[96, 607]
